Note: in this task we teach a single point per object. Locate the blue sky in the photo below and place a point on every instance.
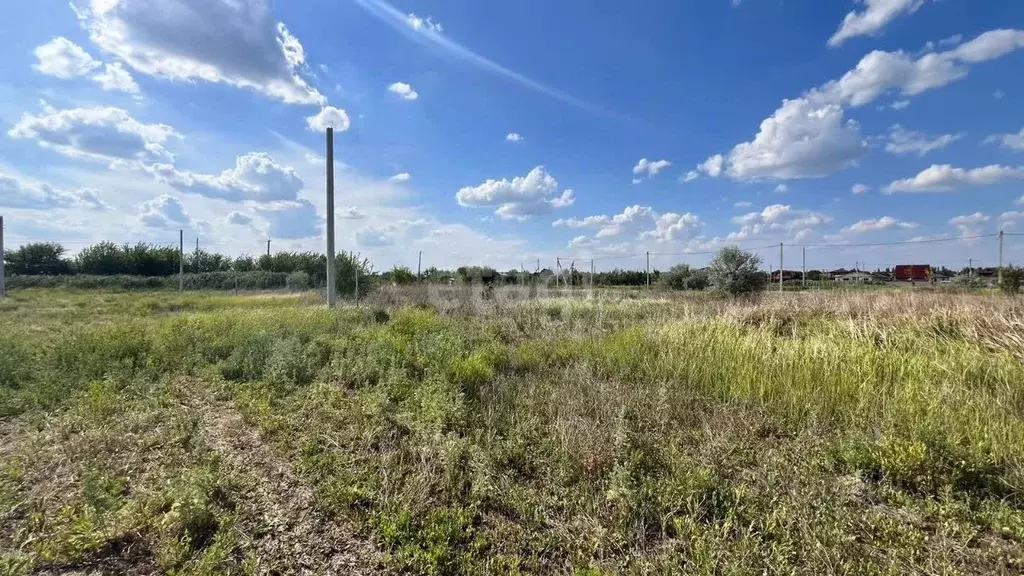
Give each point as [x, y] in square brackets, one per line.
[482, 132]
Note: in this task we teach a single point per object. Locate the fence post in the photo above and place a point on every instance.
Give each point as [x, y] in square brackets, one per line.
[268, 246]
[3, 278]
[419, 266]
[357, 284]
[181, 260]
[331, 295]
[803, 282]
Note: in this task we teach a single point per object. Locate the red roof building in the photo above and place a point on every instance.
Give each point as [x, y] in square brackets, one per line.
[913, 272]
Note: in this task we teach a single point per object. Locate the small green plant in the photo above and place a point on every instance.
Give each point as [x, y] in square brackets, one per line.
[1011, 280]
[298, 280]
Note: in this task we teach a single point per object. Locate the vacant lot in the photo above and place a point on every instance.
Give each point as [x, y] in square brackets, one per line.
[876, 433]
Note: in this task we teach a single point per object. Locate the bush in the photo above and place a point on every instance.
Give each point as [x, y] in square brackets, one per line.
[736, 272]
[683, 277]
[1011, 280]
[38, 258]
[297, 281]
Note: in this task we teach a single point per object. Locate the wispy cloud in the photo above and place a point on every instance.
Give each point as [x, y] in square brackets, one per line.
[400, 21]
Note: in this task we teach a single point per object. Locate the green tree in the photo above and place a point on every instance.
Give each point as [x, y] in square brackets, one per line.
[400, 275]
[683, 277]
[38, 258]
[1011, 280]
[736, 272]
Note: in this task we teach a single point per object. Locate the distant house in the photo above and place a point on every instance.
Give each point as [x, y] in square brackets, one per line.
[839, 272]
[913, 273]
[987, 273]
[854, 277]
[787, 275]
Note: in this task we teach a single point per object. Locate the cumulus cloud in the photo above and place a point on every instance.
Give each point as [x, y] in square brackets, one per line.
[860, 188]
[236, 43]
[424, 24]
[943, 178]
[513, 137]
[1010, 141]
[328, 117]
[351, 213]
[400, 177]
[899, 104]
[18, 193]
[105, 134]
[115, 78]
[903, 141]
[519, 198]
[968, 224]
[689, 176]
[637, 221]
[810, 137]
[63, 59]
[876, 225]
[782, 188]
[801, 140]
[404, 90]
[877, 14]
[712, 166]
[391, 233]
[649, 168]
[776, 218]
[256, 177]
[291, 220]
[164, 212]
[239, 218]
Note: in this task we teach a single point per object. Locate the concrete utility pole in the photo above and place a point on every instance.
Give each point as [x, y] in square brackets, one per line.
[803, 283]
[331, 285]
[648, 269]
[591, 273]
[1000, 251]
[970, 267]
[3, 279]
[181, 260]
[419, 265]
[558, 270]
[268, 246]
[781, 267]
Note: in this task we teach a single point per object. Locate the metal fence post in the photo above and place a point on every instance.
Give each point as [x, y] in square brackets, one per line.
[3, 278]
[331, 286]
[181, 260]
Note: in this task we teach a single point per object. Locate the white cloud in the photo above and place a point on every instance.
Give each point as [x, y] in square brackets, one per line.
[106, 134]
[902, 141]
[164, 212]
[998, 94]
[968, 224]
[514, 137]
[519, 198]
[404, 90]
[351, 213]
[392, 233]
[233, 42]
[875, 16]
[19, 193]
[808, 136]
[860, 188]
[801, 140]
[712, 167]
[1011, 141]
[943, 177]
[64, 59]
[670, 227]
[291, 220]
[900, 104]
[115, 78]
[876, 225]
[424, 24]
[239, 218]
[328, 117]
[742, 204]
[400, 177]
[649, 168]
[782, 188]
[631, 220]
[776, 218]
[690, 176]
[256, 177]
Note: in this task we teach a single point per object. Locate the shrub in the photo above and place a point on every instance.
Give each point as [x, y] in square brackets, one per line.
[1011, 280]
[683, 277]
[736, 272]
[38, 258]
[298, 281]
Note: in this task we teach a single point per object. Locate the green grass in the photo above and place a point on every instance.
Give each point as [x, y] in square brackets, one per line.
[875, 433]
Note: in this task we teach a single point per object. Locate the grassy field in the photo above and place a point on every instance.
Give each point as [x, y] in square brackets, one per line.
[808, 433]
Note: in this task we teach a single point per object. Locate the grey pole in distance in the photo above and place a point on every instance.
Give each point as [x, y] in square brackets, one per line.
[331, 288]
[181, 260]
[3, 279]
